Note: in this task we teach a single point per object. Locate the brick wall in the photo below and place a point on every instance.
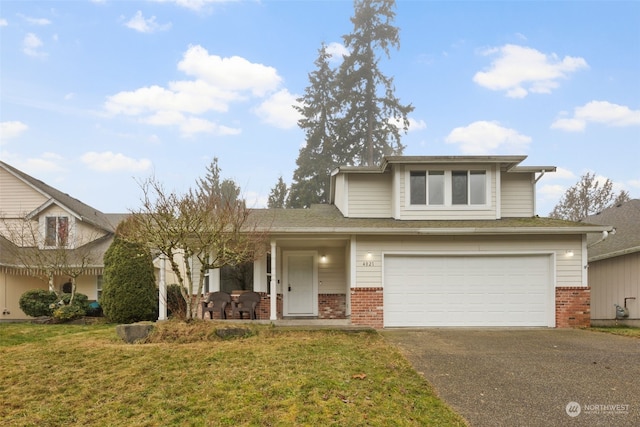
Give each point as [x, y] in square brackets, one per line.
[573, 307]
[367, 307]
[332, 306]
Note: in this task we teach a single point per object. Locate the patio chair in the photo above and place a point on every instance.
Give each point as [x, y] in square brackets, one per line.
[246, 303]
[220, 301]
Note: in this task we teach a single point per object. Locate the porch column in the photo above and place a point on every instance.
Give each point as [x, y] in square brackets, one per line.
[274, 281]
[162, 290]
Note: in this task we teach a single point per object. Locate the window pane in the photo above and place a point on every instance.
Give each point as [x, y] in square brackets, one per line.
[418, 186]
[236, 277]
[478, 184]
[50, 232]
[436, 187]
[63, 230]
[459, 187]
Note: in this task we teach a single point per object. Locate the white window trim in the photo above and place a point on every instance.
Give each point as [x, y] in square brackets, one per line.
[448, 205]
[71, 226]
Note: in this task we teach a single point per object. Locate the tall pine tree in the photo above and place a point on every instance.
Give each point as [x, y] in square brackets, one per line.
[317, 158]
[368, 124]
[278, 195]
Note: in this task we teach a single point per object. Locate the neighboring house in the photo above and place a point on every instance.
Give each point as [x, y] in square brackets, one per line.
[425, 241]
[57, 220]
[614, 264]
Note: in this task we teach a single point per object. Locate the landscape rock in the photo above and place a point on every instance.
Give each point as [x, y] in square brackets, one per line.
[134, 332]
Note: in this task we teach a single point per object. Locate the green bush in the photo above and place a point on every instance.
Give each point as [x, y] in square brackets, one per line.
[129, 292]
[68, 312]
[176, 305]
[38, 302]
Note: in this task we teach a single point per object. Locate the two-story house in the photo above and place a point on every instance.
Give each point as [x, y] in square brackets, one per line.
[426, 241]
[65, 231]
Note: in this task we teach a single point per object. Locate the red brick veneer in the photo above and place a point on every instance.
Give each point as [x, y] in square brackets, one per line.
[367, 307]
[332, 306]
[573, 307]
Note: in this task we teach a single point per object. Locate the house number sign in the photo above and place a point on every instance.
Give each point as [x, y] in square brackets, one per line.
[368, 264]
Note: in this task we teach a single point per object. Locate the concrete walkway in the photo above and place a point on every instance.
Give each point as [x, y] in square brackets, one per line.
[529, 377]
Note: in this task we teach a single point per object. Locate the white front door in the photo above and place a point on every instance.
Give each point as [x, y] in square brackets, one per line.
[300, 286]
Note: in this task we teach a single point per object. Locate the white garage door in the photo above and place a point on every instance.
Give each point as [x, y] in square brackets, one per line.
[468, 291]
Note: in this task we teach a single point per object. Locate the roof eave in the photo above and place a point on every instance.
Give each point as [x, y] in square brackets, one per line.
[439, 231]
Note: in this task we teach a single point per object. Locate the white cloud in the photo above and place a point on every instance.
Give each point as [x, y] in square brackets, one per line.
[108, 161]
[278, 110]
[10, 130]
[35, 21]
[69, 96]
[337, 51]
[551, 192]
[3, 22]
[520, 70]
[195, 5]
[483, 137]
[414, 124]
[145, 25]
[562, 173]
[48, 162]
[233, 74]
[634, 183]
[570, 125]
[602, 112]
[217, 82]
[31, 46]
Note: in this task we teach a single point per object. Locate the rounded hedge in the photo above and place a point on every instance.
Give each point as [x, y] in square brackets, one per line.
[129, 292]
[38, 302]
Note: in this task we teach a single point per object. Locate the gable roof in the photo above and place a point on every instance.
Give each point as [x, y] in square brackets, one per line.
[327, 219]
[81, 210]
[625, 217]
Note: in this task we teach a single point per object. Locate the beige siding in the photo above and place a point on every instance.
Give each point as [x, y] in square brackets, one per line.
[16, 197]
[611, 281]
[408, 212]
[332, 271]
[370, 195]
[369, 253]
[340, 194]
[517, 195]
[11, 288]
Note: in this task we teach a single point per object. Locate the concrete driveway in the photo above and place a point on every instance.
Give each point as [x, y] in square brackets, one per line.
[529, 377]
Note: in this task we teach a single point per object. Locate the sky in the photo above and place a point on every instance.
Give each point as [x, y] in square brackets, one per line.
[97, 96]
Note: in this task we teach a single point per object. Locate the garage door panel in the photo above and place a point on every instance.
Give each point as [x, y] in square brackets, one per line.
[467, 290]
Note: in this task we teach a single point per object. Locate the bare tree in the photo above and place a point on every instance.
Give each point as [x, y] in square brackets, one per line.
[587, 197]
[199, 230]
[34, 253]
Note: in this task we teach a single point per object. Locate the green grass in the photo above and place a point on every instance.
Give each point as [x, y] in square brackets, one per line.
[72, 375]
[627, 331]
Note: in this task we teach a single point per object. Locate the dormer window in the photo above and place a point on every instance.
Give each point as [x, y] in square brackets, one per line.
[427, 187]
[56, 231]
[448, 187]
[468, 187]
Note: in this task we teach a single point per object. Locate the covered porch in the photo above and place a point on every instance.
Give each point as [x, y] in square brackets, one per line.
[300, 280]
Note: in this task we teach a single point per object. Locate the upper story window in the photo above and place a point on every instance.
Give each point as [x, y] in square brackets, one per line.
[56, 231]
[427, 187]
[440, 188]
[468, 187]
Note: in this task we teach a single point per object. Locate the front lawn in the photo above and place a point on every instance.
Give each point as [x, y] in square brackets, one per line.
[619, 330]
[84, 375]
